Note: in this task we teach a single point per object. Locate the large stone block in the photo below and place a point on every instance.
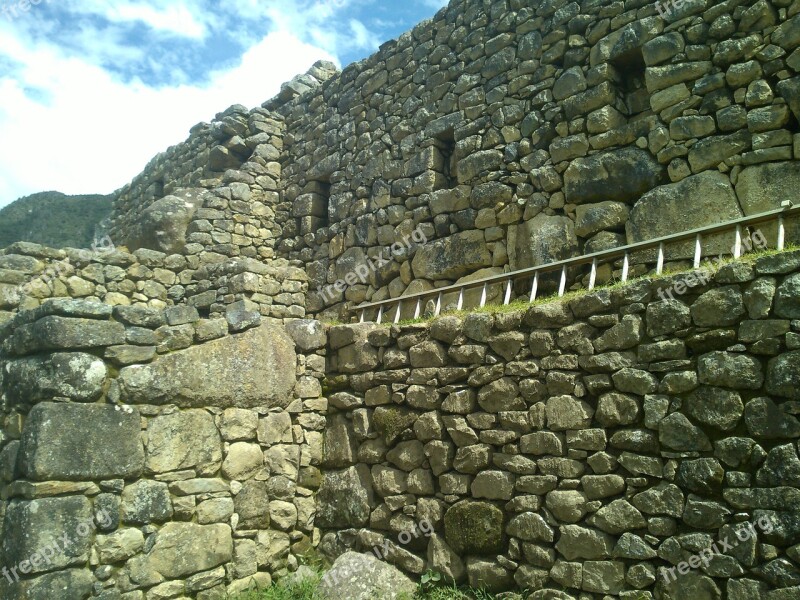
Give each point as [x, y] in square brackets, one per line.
[74, 442]
[56, 530]
[72, 375]
[543, 239]
[63, 333]
[764, 187]
[452, 257]
[345, 498]
[162, 225]
[363, 577]
[75, 584]
[697, 201]
[182, 549]
[621, 175]
[255, 368]
[474, 528]
[183, 440]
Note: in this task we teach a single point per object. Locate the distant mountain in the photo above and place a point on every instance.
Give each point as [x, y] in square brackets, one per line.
[53, 219]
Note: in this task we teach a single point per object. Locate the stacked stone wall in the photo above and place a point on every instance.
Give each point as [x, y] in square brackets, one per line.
[154, 454]
[592, 446]
[514, 134]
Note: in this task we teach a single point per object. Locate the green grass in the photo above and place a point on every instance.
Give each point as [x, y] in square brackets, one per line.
[308, 590]
[521, 304]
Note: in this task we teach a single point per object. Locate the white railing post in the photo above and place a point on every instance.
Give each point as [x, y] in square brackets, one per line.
[418, 308]
[625, 267]
[397, 313]
[737, 245]
[698, 250]
[534, 286]
[593, 274]
[660, 263]
[562, 286]
[361, 320]
[461, 298]
[438, 309]
[507, 299]
[781, 233]
[380, 314]
[483, 296]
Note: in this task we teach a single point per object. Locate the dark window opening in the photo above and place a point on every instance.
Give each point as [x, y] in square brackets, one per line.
[631, 67]
[446, 144]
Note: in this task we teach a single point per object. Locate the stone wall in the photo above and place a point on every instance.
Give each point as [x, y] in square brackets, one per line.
[514, 135]
[31, 274]
[154, 454]
[586, 445]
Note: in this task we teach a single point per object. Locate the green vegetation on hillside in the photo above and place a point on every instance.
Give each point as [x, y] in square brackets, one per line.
[53, 219]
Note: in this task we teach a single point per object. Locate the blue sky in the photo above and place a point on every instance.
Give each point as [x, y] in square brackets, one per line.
[90, 90]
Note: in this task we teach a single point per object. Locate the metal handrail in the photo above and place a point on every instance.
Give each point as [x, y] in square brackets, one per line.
[624, 252]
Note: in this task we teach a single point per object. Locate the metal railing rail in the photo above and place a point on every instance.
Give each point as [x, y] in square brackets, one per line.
[596, 258]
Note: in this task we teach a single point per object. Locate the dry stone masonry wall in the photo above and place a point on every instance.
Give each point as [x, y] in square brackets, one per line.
[586, 446]
[515, 134]
[173, 425]
[154, 454]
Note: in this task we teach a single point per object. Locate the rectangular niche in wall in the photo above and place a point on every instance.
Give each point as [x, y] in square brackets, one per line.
[445, 142]
[631, 68]
[311, 207]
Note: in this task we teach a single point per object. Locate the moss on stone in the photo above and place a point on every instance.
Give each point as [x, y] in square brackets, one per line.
[474, 528]
[391, 421]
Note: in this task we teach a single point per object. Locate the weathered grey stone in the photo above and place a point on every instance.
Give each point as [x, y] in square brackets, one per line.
[715, 406]
[345, 498]
[787, 298]
[621, 175]
[702, 476]
[183, 440]
[577, 542]
[146, 502]
[252, 505]
[568, 412]
[678, 433]
[617, 517]
[767, 420]
[163, 224]
[79, 377]
[474, 528]
[703, 199]
[542, 240]
[667, 316]
[783, 375]
[255, 368]
[31, 527]
[64, 333]
[591, 218]
[363, 577]
[735, 371]
[307, 334]
[452, 257]
[662, 499]
[442, 559]
[74, 442]
[718, 307]
[119, 546]
[77, 583]
[181, 549]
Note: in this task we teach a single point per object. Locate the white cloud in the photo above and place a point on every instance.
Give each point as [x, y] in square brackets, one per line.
[159, 15]
[92, 133]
